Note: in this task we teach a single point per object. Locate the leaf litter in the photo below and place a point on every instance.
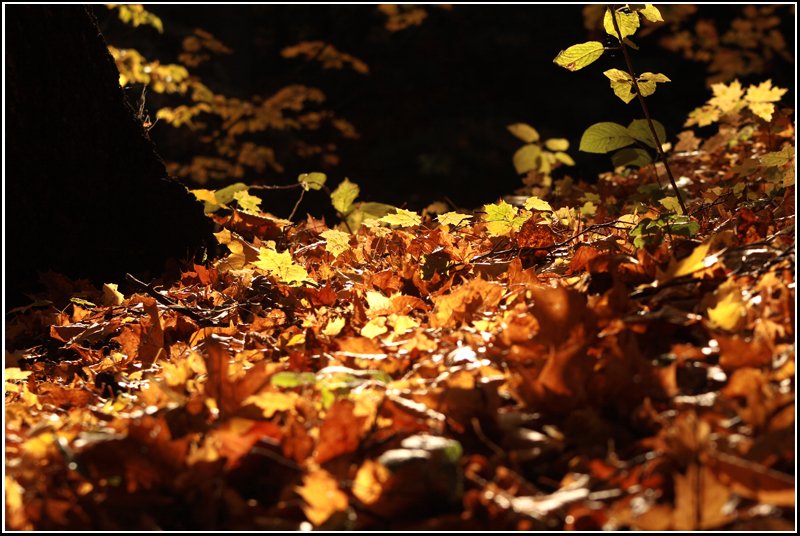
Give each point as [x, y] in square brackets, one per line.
[536, 368]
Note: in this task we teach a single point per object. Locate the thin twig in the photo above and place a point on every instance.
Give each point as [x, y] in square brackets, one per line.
[646, 111]
[163, 300]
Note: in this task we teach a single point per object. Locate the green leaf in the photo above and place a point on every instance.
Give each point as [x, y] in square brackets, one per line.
[336, 242]
[403, 218]
[682, 225]
[344, 195]
[579, 56]
[671, 203]
[248, 203]
[527, 158]
[631, 157]
[525, 132]
[604, 137]
[778, 158]
[622, 84]
[502, 218]
[289, 380]
[312, 181]
[534, 203]
[281, 265]
[557, 144]
[628, 23]
[453, 219]
[640, 130]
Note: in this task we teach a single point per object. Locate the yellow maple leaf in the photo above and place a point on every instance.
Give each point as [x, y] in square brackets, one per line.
[730, 309]
[696, 261]
[281, 266]
[369, 482]
[322, 496]
[375, 327]
[336, 242]
[727, 98]
[271, 402]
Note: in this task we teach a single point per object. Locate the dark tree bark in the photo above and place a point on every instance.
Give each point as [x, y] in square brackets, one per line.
[86, 193]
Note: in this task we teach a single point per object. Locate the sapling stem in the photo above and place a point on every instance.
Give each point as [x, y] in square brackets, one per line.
[645, 110]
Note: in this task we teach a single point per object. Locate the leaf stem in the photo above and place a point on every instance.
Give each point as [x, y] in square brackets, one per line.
[302, 193]
[646, 111]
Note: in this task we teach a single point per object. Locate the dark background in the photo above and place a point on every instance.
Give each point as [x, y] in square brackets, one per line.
[433, 109]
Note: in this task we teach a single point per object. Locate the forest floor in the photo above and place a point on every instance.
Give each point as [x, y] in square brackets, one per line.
[591, 362]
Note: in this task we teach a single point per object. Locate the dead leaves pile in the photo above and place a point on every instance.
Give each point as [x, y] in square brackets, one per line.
[425, 377]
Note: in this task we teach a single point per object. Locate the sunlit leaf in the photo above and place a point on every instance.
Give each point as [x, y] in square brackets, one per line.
[312, 181]
[453, 219]
[334, 326]
[15, 374]
[526, 158]
[336, 242]
[322, 496]
[579, 56]
[375, 327]
[525, 132]
[557, 144]
[698, 260]
[564, 158]
[402, 218]
[639, 129]
[628, 23]
[671, 203]
[622, 84]
[730, 309]
[281, 265]
[651, 13]
[502, 218]
[534, 203]
[605, 137]
[271, 402]
[248, 203]
[344, 195]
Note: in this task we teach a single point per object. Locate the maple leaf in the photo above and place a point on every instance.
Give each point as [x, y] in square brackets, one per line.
[250, 204]
[453, 219]
[696, 261]
[375, 327]
[281, 265]
[322, 496]
[729, 310]
[727, 97]
[501, 219]
[336, 242]
[760, 99]
[402, 218]
[534, 203]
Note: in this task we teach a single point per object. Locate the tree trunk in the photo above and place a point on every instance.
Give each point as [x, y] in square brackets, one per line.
[86, 193]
